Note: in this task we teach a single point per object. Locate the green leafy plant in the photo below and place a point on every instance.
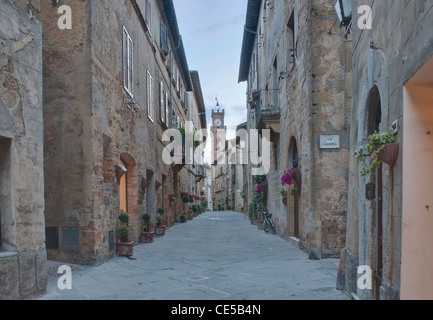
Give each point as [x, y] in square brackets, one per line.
[159, 219]
[124, 217]
[376, 142]
[147, 220]
[161, 210]
[122, 232]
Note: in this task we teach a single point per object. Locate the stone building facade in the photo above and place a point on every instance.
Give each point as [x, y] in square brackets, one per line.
[294, 64]
[110, 92]
[22, 228]
[388, 230]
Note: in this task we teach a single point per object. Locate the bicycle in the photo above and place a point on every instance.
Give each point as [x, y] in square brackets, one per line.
[268, 224]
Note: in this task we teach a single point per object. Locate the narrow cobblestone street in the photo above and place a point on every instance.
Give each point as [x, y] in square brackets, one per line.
[216, 256]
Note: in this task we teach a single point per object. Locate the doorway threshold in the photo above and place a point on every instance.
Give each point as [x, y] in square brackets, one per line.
[294, 241]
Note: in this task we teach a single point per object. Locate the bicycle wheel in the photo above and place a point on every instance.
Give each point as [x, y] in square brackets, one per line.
[266, 226]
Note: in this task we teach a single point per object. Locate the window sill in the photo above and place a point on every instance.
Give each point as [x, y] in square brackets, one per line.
[6, 254]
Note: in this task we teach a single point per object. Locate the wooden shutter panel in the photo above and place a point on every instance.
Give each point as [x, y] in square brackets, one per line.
[166, 108]
[186, 102]
[125, 58]
[163, 38]
[161, 101]
[148, 14]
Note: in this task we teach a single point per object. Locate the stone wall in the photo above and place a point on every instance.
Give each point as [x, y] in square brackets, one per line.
[22, 248]
[384, 57]
[313, 101]
[92, 123]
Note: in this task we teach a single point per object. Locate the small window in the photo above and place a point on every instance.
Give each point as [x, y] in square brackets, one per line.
[291, 37]
[163, 38]
[127, 60]
[150, 107]
[148, 16]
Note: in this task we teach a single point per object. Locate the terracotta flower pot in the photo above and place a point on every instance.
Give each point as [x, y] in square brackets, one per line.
[147, 237]
[125, 249]
[160, 230]
[389, 153]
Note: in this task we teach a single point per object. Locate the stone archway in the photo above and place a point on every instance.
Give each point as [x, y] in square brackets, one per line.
[372, 213]
[293, 206]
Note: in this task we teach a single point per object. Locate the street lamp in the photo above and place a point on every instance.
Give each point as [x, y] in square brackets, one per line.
[343, 8]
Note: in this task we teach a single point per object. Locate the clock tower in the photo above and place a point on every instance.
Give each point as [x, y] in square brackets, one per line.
[218, 136]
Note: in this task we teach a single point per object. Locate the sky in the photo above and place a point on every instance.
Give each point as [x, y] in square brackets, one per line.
[212, 33]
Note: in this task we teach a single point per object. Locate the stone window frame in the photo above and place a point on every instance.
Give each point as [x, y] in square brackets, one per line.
[128, 62]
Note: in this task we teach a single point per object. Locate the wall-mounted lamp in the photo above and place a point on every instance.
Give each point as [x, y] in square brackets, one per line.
[343, 8]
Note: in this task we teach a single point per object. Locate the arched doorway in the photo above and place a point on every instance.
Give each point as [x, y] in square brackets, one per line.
[128, 191]
[123, 190]
[374, 119]
[294, 163]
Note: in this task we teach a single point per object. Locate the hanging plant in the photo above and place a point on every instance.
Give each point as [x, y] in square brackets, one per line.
[381, 147]
[292, 177]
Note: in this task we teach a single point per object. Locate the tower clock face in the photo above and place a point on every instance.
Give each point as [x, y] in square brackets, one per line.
[218, 122]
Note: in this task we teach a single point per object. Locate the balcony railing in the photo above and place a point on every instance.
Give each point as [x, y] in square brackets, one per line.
[199, 173]
[268, 118]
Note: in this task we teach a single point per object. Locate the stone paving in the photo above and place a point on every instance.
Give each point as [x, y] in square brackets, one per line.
[216, 256]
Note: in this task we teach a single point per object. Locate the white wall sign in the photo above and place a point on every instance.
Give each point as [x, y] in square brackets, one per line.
[329, 142]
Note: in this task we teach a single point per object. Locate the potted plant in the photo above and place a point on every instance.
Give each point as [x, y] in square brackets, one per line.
[256, 94]
[284, 199]
[381, 147]
[172, 198]
[124, 246]
[283, 192]
[182, 218]
[160, 227]
[147, 234]
[195, 210]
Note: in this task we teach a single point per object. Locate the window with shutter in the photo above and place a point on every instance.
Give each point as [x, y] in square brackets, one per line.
[166, 108]
[163, 38]
[150, 107]
[161, 101]
[127, 61]
[148, 15]
[185, 100]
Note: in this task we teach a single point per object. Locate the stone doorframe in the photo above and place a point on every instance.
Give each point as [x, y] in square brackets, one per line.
[376, 78]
